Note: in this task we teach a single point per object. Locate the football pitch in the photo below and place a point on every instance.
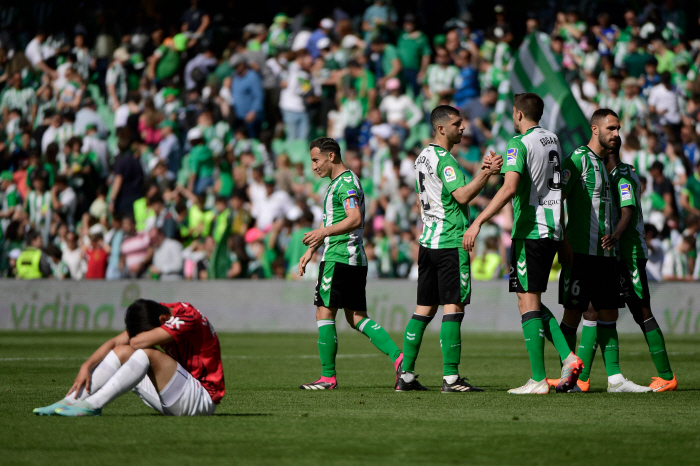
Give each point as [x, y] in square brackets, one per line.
[266, 419]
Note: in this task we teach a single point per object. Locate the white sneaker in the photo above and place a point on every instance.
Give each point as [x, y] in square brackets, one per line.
[531, 388]
[627, 386]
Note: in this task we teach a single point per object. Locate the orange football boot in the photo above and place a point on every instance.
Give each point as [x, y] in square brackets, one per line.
[660, 385]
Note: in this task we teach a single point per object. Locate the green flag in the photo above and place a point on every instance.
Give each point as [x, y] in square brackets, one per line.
[535, 69]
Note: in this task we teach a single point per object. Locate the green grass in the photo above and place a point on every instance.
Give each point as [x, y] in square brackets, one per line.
[266, 419]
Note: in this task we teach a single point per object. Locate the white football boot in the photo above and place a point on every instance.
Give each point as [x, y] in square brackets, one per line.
[531, 388]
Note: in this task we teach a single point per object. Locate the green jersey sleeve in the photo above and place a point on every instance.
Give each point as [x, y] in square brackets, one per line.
[625, 193]
[516, 154]
[570, 173]
[348, 194]
[449, 173]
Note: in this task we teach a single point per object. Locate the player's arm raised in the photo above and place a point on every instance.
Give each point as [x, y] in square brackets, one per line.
[502, 197]
[82, 380]
[465, 194]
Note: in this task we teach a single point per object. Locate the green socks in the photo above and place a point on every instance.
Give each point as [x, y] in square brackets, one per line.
[569, 335]
[412, 340]
[379, 338]
[534, 342]
[451, 342]
[553, 333]
[327, 346]
[587, 346]
[609, 346]
[657, 348]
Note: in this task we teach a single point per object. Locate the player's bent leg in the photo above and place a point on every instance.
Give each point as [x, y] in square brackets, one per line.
[554, 333]
[126, 378]
[378, 336]
[327, 350]
[100, 375]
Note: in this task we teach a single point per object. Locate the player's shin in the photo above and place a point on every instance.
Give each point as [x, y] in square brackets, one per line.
[569, 333]
[451, 343]
[379, 338]
[587, 347]
[412, 340]
[607, 338]
[327, 346]
[126, 378]
[553, 333]
[657, 348]
[100, 375]
[534, 342]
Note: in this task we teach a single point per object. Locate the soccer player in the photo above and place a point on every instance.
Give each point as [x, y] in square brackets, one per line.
[533, 181]
[342, 274]
[185, 379]
[589, 270]
[443, 266]
[631, 265]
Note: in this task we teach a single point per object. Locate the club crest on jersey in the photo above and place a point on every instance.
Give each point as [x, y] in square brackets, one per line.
[450, 174]
[625, 192]
[511, 156]
[565, 175]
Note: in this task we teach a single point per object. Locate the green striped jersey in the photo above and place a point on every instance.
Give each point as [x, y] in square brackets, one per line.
[627, 193]
[21, 99]
[346, 248]
[536, 156]
[444, 219]
[589, 205]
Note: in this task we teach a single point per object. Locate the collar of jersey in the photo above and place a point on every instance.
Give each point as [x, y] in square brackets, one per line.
[341, 174]
[438, 145]
[531, 128]
[594, 152]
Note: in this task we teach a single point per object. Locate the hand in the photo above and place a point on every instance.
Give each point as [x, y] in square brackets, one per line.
[486, 163]
[469, 239]
[82, 380]
[154, 270]
[609, 241]
[111, 207]
[250, 116]
[566, 254]
[496, 163]
[313, 239]
[305, 260]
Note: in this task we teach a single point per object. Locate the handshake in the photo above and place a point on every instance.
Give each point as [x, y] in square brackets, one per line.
[492, 163]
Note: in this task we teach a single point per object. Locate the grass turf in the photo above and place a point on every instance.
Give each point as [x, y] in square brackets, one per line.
[266, 419]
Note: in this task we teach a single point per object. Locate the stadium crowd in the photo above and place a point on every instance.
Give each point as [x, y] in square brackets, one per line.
[172, 153]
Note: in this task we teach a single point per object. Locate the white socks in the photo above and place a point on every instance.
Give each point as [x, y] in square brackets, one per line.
[615, 379]
[127, 377]
[450, 378]
[408, 377]
[100, 375]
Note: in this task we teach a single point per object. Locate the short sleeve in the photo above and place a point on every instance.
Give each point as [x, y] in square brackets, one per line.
[449, 173]
[426, 46]
[570, 173]
[516, 153]
[348, 193]
[625, 193]
[183, 322]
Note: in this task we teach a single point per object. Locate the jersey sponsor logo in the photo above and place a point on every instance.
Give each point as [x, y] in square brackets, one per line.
[565, 176]
[548, 202]
[174, 322]
[625, 192]
[450, 174]
[511, 156]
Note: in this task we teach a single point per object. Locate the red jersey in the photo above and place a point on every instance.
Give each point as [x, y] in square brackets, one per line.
[96, 263]
[196, 347]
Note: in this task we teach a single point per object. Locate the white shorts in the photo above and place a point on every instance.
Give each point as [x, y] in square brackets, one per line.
[182, 396]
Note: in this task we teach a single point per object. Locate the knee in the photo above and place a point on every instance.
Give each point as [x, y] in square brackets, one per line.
[572, 318]
[123, 352]
[608, 315]
[323, 313]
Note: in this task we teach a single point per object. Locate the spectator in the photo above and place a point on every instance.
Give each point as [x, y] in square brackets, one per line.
[127, 186]
[397, 107]
[96, 257]
[676, 266]
[33, 263]
[64, 200]
[664, 188]
[388, 64]
[246, 95]
[663, 102]
[413, 50]
[324, 29]
[72, 257]
[18, 98]
[298, 90]
[167, 256]
[116, 78]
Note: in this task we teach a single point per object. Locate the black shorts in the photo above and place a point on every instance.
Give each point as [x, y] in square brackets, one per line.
[341, 286]
[634, 287]
[590, 279]
[530, 264]
[443, 276]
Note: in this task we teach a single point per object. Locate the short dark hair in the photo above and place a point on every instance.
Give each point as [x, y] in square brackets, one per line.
[657, 166]
[326, 146]
[143, 315]
[530, 104]
[440, 114]
[602, 113]
[32, 235]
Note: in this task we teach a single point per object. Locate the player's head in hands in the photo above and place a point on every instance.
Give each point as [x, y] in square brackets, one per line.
[527, 111]
[325, 155]
[144, 315]
[448, 126]
[605, 126]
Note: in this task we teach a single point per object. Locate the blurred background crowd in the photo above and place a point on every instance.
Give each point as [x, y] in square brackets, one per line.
[170, 140]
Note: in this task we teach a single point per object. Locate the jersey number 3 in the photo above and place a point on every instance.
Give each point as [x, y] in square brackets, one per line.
[554, 183]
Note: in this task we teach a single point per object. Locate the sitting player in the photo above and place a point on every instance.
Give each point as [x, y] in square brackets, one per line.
[185, 380]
